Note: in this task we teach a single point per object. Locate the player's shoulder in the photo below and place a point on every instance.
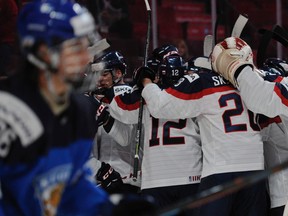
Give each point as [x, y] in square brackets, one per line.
[198, 81]
[121, 89]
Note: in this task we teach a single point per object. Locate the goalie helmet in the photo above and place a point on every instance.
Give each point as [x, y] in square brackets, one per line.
[171, 70]
[164, 51]
[276, 66]
[110, 61]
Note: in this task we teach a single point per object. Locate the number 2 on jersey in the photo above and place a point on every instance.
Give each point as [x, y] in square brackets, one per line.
[237, 111]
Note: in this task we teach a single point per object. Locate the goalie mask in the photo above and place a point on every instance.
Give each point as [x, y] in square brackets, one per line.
[171, 70]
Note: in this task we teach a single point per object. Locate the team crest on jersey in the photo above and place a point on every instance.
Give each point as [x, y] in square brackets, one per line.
[50, 186]
[192, 77]
[17, 120]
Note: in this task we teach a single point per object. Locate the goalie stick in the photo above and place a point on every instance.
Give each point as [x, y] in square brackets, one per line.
[139, 124]
[222, 190]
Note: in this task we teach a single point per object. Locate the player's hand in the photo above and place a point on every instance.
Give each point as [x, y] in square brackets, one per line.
[108, 178]
[102, 115]
[141, 73]
[229, 55]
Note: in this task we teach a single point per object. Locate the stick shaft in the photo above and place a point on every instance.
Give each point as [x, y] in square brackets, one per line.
[139, 124]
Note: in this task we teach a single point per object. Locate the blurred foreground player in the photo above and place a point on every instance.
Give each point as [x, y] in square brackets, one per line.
[47, 129]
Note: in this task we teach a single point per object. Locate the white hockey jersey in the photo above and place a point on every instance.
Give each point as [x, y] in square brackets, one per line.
[231, 141]
[172, 151]
[275, 137]
[265, 97]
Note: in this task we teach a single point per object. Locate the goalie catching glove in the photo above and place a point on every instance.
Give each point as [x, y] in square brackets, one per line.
[230, 55]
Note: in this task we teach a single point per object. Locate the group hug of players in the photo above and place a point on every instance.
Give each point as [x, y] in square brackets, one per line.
[202, 126]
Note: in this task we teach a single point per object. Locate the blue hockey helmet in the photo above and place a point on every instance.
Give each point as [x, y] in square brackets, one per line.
[172, 69]
[52, 22]
[111, 60]
[71, 20]
[276, 66]
[166, 50]
[32, 24]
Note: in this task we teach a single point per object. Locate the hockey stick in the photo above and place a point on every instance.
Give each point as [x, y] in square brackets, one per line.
[239, 26]
[139, 124]
[208, 45]
[222, 190]
[277, 33]
[204, 62]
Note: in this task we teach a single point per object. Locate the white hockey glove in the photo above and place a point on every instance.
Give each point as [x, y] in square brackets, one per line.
[230, 54]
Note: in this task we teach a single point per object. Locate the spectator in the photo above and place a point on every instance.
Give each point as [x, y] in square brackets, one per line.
[182, 48]
[113, 18]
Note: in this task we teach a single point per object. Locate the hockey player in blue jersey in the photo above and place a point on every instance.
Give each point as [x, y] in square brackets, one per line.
[47, 129]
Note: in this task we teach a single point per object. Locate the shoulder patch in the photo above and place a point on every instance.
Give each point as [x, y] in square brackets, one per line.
[192, 77]
[121, 89]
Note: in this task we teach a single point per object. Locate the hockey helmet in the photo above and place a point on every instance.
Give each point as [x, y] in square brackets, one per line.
[52, 22]
[276, 66]
[171, 70]
[111, 60]
[166, 50]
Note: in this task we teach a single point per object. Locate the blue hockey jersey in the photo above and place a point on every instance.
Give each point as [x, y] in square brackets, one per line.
[42, 155]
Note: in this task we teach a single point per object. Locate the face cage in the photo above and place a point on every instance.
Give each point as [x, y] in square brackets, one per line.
[79, 82]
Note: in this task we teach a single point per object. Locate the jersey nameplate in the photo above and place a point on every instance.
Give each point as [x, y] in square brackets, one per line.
[118, 90]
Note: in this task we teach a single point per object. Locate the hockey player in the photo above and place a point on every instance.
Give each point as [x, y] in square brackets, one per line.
[231, 142]
[230, 59]
[275, 134]
[47, 129]
[115, 140]
[172, 160]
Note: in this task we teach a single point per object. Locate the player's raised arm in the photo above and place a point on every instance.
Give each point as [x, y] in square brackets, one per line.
[232, 58]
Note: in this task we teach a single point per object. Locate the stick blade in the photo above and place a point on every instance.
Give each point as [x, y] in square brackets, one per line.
[239, 25]
[208, 45]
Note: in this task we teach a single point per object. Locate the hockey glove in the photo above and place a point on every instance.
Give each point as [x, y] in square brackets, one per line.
[109, 179]
[141, 73]
[229, 55]
[102, 115]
